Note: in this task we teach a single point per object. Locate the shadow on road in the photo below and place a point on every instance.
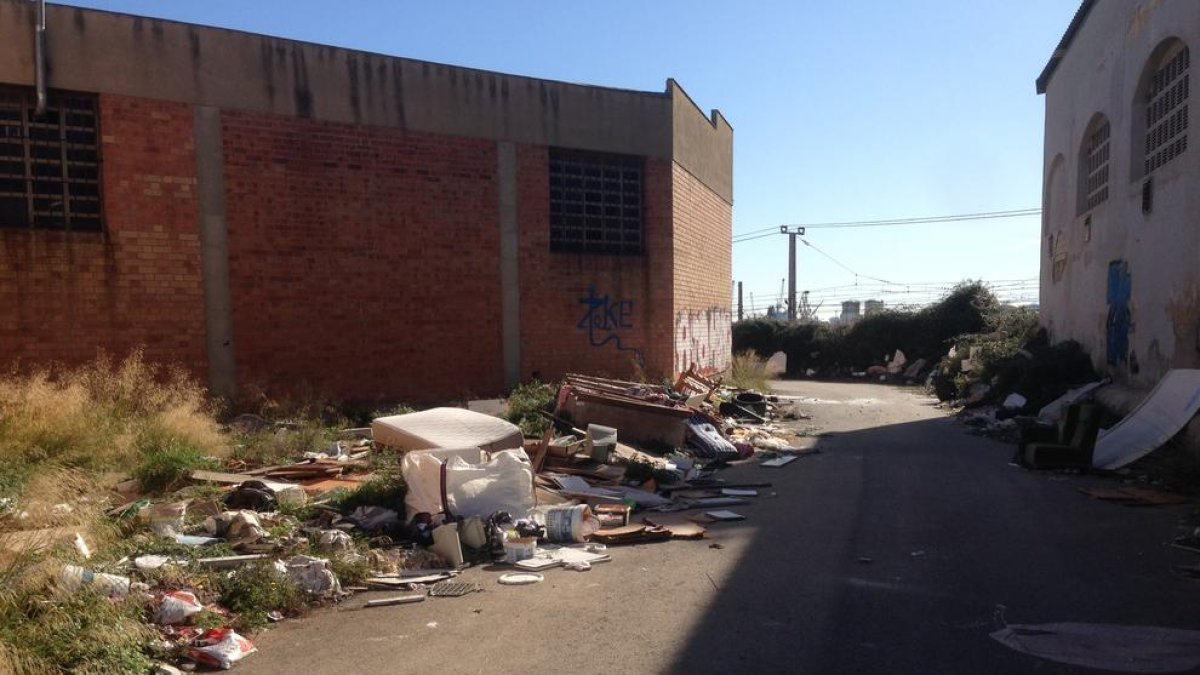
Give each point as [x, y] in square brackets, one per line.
[898, 549]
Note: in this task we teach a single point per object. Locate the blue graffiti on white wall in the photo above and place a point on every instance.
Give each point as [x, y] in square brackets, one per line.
[605, 318]
[1120, 318]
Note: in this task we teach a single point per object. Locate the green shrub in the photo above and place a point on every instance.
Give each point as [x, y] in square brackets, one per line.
[524, 404]
[253, 591]
[749, 371]
[166, 461]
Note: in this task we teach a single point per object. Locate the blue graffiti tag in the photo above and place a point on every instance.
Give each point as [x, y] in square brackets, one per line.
[604, 317]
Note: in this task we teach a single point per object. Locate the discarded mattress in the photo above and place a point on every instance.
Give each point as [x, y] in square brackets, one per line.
[446, 428]
[1167, 410]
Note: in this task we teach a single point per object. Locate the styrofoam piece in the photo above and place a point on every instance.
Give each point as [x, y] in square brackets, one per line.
[447, 428]
[1168, 408]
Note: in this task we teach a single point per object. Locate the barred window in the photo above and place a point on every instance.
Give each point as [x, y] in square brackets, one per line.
[1167, 110]
[49, 164]
[595, 202]
[1093, 174]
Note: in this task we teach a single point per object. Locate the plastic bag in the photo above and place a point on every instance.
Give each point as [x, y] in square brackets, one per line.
[502, 483]
[220, 648]
[176, 607]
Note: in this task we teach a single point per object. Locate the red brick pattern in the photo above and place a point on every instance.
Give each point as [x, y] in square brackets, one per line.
[364, 261]
[63, 297]
[703, 268]
[633, 293]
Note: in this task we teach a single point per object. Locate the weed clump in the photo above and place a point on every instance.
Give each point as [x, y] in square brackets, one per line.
[749, 371]
[254, 591]
[525, 405]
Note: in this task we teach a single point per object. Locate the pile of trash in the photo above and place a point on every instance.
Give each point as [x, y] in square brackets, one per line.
[622, 463]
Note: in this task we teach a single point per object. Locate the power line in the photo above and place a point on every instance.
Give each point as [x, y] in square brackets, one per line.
[891, 222]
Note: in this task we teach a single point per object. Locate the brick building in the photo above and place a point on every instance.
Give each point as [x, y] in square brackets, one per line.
[280, 214]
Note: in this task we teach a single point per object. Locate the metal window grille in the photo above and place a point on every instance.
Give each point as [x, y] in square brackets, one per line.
[1095, 190]
[49, 164]
[1167, 111]
[595, 202]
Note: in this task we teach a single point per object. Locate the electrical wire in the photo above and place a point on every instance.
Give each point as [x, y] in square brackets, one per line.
[891, 222]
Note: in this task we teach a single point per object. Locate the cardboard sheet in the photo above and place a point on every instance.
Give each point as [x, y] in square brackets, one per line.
[1168, 408]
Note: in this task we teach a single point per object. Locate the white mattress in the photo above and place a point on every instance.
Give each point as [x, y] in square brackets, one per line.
[447, 428]
[1168, 408]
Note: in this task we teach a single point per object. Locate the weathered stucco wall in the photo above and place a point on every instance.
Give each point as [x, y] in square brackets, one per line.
[1153, 258]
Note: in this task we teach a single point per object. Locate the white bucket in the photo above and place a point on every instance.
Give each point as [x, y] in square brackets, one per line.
[516, 550]
[565, 524]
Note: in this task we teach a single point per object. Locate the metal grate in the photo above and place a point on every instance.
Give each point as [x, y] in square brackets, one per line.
[1095, 184]
[49, 164]
[1167, 111]
[595, 202]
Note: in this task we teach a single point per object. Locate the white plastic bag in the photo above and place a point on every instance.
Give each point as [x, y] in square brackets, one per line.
[220, 648]
[504, 482]
[176, 607]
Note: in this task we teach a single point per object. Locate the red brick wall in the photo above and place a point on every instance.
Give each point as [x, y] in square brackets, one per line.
[63, 297]
[364, 261]
[703, 269]
[555, 286]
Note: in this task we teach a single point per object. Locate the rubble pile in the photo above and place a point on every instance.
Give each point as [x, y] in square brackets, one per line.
[405, 505]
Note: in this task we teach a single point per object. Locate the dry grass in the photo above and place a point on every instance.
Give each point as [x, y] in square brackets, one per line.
[66, 435]
[749, 371]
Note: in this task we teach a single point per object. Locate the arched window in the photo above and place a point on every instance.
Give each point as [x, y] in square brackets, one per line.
[1093, 165]
[1161, 107]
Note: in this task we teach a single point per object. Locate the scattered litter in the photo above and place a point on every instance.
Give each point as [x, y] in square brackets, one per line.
[220, 648]
[782, 460]
[398, 600]
[73, 577]
[1136, 496]
[1130, 649]
[735, 492]
[863, 560]
[453, 589]
[176, 607]
[724, 515]
[917, 554]
[146, 563]
[313, 575]
[520, 578]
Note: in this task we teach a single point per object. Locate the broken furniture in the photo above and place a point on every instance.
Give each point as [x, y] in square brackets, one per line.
[1067, 446]
[644, 413]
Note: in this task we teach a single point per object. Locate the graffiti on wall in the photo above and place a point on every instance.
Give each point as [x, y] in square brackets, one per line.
[604, 318]
[704, 338]
[1119, 316]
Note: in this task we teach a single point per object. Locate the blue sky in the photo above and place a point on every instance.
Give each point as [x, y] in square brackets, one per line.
[842, 111]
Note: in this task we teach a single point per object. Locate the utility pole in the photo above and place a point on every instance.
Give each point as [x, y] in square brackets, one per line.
[740, 301]
[792, 233]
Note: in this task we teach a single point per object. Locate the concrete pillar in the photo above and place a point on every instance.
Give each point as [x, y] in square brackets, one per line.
[510, 289]
[214, 251]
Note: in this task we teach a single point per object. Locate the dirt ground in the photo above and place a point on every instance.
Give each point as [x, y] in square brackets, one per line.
[898, 548]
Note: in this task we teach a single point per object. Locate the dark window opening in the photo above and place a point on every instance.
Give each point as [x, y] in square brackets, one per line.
[49, 164]
[595, 202]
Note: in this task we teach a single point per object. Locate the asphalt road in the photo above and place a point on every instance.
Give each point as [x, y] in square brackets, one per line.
[897, 549]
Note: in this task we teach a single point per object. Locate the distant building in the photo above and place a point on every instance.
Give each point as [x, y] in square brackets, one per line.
[872, 307]
[1120, 254]
[283, 215]
[851, 311]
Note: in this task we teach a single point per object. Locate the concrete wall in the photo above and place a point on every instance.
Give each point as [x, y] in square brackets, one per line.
[152, 58]
[1100, 73]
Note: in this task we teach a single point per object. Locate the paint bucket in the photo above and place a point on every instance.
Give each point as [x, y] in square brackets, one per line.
[566, 524]
[521, 548]
[602, 441]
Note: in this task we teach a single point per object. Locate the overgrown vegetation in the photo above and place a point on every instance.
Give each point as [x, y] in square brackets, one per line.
[525, 405]
[839, 350]
[748, 371]
[254, 591]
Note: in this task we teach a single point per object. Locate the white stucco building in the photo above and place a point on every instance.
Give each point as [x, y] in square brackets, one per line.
[1120, 252]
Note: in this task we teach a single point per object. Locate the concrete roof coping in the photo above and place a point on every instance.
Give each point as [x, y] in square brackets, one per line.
[1061, 50]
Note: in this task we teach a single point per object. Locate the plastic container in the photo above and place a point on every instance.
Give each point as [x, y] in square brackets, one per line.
[73, 577]
[567, 524]
[520, 548]
[601, 441]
